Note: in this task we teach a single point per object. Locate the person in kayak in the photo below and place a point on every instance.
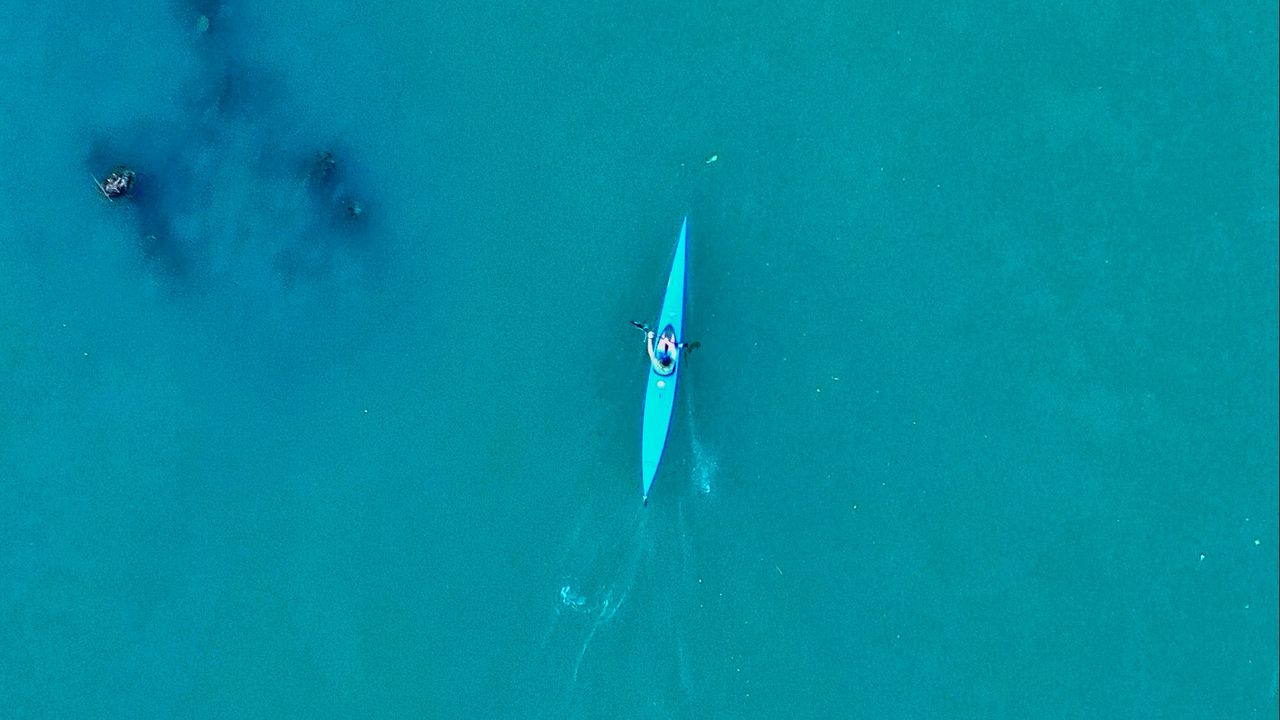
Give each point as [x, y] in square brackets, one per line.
[663, 357]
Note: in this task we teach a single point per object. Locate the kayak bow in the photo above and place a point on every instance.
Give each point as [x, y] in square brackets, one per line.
[660, 393]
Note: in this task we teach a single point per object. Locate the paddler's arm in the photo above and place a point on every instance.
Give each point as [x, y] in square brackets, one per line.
[649, 346]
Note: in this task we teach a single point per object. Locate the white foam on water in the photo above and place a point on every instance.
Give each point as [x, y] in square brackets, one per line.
[597, 568]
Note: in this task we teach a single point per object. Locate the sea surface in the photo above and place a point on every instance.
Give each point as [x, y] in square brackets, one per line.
[982, 423]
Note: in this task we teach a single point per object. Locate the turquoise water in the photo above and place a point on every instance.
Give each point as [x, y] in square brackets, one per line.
[983, 424]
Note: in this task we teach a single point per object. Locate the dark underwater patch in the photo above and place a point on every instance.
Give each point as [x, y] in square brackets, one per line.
[227, 196]
[157, 193]
[333, 185]
[234, 91]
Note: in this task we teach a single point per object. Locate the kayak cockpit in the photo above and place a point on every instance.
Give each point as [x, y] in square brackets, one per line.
[666, 351]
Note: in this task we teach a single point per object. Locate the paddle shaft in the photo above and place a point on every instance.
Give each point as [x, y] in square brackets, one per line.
[645, 328]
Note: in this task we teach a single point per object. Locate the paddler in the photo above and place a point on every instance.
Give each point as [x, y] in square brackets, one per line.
[663, 358]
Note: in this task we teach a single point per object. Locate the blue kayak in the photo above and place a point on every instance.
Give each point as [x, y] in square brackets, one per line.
[660, 392]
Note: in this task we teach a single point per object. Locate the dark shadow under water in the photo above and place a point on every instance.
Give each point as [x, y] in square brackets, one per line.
[232, 195]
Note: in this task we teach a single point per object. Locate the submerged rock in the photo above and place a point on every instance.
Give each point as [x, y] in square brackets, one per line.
[324, 169]
[327, 178]
[118, 183]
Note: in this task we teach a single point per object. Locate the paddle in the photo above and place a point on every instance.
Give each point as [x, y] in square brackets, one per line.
[688, 347]
[101, 188]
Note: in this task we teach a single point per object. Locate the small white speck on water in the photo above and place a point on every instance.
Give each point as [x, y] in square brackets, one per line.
[1201, 557]
[1257, 541]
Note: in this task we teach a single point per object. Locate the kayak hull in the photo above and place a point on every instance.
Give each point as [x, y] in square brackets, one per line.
[660, 390]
